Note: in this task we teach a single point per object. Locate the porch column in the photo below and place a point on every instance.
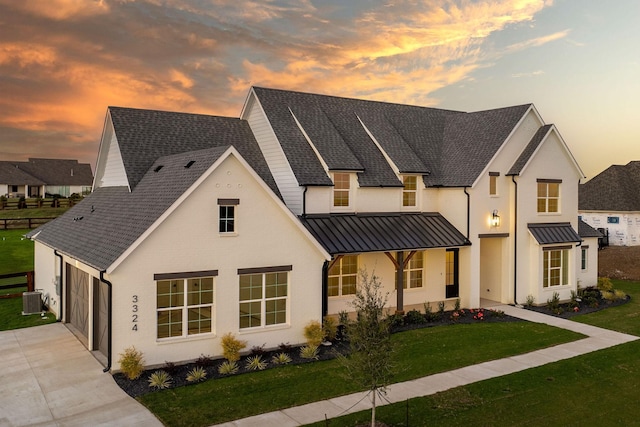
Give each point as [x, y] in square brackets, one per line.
[400, 282]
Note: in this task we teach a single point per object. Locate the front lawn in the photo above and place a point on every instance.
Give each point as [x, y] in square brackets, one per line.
[17, 252]
[11, 316]
[599, 388]
[420, 352]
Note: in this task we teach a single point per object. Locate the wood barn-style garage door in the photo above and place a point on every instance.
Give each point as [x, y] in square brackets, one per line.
[78, 302]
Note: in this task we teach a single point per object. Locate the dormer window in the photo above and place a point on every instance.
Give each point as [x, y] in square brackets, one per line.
[341, 190]
[410, 191]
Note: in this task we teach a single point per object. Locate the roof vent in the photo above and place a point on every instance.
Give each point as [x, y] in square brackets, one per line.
[157, 169]
[188, 165]
[78, 218]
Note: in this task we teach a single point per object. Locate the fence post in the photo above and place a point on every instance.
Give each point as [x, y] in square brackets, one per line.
[30, 284]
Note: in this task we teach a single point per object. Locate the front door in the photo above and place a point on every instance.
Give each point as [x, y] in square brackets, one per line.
[452, 285]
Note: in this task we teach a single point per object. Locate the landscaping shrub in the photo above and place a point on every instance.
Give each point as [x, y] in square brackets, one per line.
[605, 284]
[231, 347]
[414, 317]
[257, 350]
[160, 380]
[196, 375]
[131, 363]
[255, 363]
[204, 361]
[309, 352]
[330, 328]
[227, 367]
[313, 333]
[281, 359]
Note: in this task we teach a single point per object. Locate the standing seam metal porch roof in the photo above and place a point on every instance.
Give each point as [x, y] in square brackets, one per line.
[550, 233]
[359, 233]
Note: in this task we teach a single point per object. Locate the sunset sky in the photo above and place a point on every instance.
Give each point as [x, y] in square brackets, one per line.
[63, 62]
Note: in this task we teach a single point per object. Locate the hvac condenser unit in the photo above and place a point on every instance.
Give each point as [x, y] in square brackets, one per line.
[31, 302]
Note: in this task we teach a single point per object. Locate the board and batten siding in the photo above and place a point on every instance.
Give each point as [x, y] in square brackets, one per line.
[110, 170]
[275, 157]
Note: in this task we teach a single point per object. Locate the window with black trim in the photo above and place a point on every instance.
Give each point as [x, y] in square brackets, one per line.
[227, 215]
[184, 307]
[584, 257]
[556, 267]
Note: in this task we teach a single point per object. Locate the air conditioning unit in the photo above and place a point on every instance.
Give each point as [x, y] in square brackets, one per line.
[31, 302]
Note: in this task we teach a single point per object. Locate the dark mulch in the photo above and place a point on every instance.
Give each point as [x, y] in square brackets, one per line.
[567, 310]
[179, 373]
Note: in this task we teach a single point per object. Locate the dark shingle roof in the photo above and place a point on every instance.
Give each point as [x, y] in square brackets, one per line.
[614, 189]
[536, 140]
[107, 222]
[358, 233]
[145, 135]
[551, 233]
[12, 174]
[451, 147]
[46, 172]
[585, 230]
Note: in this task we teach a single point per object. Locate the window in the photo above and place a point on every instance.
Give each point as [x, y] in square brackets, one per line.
[584, 256]
[548, 196]
[343, 276]
[452, 285]
[493, 183]
[341, 189]
[263, 298]
[184, 306]
[410, 191]
[414, 272]
[613, 220]
[556, 267]
[227, 209]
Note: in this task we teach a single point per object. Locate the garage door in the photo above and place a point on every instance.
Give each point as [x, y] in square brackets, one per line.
[101, 313]
[78, 302]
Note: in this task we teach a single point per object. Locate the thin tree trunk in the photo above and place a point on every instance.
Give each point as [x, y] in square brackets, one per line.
[373, 409]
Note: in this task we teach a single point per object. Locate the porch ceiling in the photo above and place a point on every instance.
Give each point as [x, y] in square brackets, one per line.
[550, 233]
[359, 233]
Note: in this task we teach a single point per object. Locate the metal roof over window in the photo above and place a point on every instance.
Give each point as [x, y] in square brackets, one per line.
[360, 233]
[550, 233]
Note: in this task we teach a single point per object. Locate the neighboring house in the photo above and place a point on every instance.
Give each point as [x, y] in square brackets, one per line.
[201, 225]
[44, 178]
[610, 202]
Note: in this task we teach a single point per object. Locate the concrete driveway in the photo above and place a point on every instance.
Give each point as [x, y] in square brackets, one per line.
[48, 378]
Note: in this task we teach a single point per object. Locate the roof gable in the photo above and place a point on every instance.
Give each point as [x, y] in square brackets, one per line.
[143, 136]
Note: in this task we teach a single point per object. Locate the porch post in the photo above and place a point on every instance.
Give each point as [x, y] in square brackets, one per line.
[400, 282]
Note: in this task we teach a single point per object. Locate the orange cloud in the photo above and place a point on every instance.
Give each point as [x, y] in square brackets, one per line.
[60, 9]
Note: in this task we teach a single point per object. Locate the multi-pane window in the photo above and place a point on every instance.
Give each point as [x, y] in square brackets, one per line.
[493, 183]
[414, 272]
[227, 219]
[341, 189]
[343, 276]
[184, 306]
[263, 299]
[548, 196]
[584, 256]
[556, 267]
[410, 191]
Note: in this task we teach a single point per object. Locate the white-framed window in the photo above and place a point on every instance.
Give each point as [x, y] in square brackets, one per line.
[548, 196]
[263, 296]
[556, 267]
[493, 183]
[341, 190]
[414, 272]
[184, 306]
[343, 276]
[584, 257]
[227, 215]
[410, 191]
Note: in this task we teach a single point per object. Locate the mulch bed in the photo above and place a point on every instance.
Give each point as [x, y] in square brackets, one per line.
[179, 373]
[568, 312]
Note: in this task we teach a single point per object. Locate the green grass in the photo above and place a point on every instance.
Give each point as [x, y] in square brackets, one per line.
[17, 252]
[599, 388]
[418, 353]
[11, 316]
[32, 212]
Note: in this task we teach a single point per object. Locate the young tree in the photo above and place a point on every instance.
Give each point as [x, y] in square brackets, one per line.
[370, 361]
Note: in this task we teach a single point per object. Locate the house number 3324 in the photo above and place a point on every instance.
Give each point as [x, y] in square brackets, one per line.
[134, 313]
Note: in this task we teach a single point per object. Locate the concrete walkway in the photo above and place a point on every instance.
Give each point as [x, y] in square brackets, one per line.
[48, 378]
[597, 339]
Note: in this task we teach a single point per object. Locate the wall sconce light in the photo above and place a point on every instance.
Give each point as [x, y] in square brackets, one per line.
[495, 218]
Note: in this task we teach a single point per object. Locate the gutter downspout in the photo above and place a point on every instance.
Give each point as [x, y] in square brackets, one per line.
[325, 289]
[515, 240]
[468, 211]
[60, 295]
[109, 320]
[304, 202]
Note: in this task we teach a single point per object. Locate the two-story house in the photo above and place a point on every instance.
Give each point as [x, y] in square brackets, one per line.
[201, 225]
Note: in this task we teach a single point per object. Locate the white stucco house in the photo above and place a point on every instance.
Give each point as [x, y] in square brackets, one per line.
[202, 225]
[610, 202]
